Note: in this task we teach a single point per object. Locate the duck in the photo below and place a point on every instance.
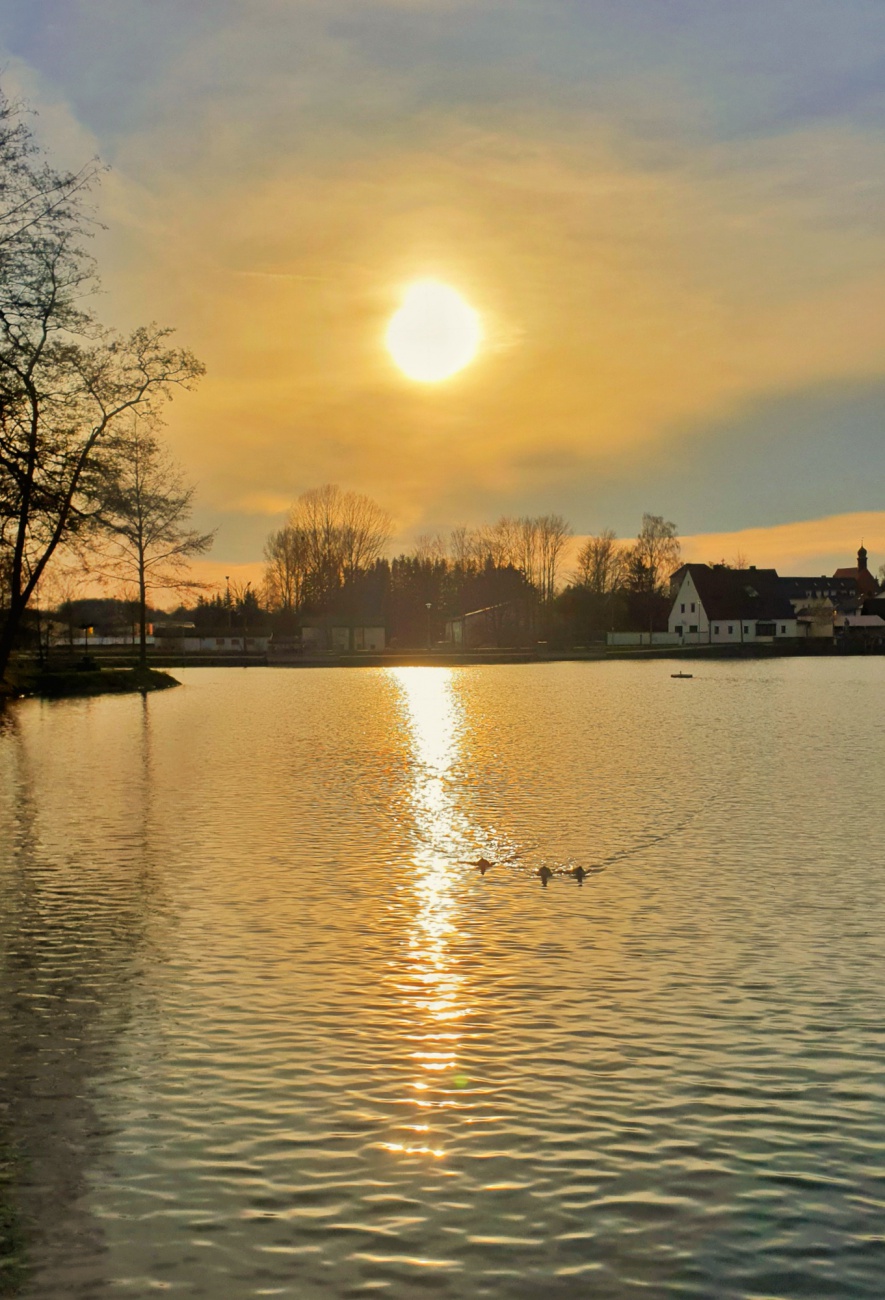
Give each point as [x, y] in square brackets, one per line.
[545, 873]
[579, 873]
[484, 865]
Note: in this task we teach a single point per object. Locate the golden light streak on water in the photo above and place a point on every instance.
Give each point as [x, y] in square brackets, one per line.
[432, 716]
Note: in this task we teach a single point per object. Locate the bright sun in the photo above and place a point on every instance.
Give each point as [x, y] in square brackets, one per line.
[434, 334]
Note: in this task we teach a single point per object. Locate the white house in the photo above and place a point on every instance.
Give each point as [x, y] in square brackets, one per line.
[721, 606]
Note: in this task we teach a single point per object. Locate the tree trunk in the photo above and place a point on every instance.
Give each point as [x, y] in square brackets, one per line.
[8, 636]
[142, 619]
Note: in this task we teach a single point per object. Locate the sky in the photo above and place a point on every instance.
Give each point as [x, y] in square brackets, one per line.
[667, 213]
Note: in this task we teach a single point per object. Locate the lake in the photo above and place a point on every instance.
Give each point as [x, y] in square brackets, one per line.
[265, 1030]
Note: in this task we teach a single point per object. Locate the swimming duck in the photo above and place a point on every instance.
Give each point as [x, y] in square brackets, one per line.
[483, 865]
[579, 873]
[545, 873]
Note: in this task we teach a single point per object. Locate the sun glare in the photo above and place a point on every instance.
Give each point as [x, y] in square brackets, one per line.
[434, 334]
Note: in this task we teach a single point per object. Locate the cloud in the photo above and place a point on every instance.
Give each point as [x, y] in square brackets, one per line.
[668, 216]
[808, 547]
[620, 304]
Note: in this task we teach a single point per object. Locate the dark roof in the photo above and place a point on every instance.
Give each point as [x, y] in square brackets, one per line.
[740, 593]
[838, 589]
[862, 578]
[486, 609]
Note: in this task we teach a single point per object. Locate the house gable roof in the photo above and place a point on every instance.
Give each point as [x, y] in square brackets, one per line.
[739, 593]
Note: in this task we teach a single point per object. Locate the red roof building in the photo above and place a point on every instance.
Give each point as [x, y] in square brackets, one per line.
[866, 583]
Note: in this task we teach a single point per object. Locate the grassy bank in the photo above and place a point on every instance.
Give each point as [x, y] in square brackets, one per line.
[73, 682]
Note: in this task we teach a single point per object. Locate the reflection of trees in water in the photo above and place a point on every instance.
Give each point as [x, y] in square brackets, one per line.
[73, 921]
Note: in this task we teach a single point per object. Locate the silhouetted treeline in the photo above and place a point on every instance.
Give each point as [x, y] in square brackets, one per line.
[416, 599]
[477, 595]
[498, 583]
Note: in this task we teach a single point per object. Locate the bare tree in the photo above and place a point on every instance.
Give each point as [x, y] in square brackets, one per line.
[330, 536]
[553, 533]
[431, 549]
[498, 544]
[601, 564]
[287, 569]
[35, 199]
[145, 521]
[472, 548]
[525, 552]
[532, 545]
[655, 554]
[65, 382]
[459, 546]
[364, 530]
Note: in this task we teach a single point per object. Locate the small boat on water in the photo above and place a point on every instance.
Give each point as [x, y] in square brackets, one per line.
[682, 674]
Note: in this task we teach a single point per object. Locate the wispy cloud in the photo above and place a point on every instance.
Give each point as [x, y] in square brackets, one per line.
[811, 546]
[668, 215]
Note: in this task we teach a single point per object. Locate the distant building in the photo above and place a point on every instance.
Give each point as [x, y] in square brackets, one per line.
[868, 628]
[171, 634]
[840, 592]
[494, 625]
[183, 638]
[865, 582]
[337, 634]
[716, 605]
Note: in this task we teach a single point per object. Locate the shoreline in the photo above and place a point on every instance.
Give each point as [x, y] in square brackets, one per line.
[109, 676]
[85, 683]
[525, 655]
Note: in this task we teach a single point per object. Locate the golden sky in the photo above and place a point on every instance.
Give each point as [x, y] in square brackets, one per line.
[669, 218]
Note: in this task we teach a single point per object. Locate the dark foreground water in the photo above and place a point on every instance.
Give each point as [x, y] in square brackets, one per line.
[264, 1030]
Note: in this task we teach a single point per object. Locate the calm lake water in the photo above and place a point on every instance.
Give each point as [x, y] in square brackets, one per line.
[264, 1030]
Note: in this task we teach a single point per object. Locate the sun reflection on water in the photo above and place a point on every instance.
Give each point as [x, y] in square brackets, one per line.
[443, 837]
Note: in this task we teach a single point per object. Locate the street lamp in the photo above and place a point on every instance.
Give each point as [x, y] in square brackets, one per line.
[230, 622]
[429, 638]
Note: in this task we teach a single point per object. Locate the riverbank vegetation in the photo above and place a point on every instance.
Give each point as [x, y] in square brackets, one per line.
[84, 680]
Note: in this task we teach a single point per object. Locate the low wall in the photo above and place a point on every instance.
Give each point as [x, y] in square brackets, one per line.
[643, 638]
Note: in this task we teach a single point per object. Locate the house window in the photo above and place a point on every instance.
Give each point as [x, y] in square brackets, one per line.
[693, 627]
[692, 607]
[766, 629]
[716, 629]
[746, 631]
[730, 629]
[681, 609]
[219, 640]
[678, 631]
[783, 630]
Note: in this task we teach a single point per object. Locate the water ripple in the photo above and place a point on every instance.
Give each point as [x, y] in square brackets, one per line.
[267, 1030]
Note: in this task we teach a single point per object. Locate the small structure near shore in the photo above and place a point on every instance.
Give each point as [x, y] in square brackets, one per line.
[337, 634]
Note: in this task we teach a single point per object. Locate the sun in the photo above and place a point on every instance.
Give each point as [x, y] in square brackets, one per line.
[434, 334]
